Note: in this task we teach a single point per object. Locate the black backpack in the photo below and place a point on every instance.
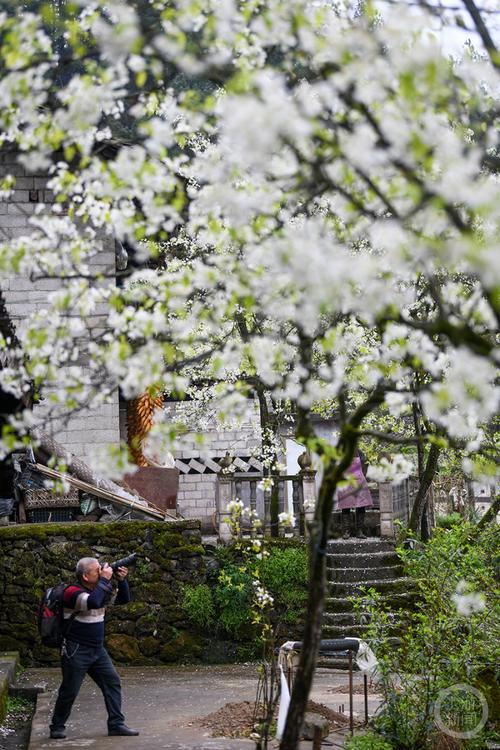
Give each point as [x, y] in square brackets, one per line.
[51, 624]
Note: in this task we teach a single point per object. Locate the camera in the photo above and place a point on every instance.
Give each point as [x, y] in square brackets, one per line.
[124, 562]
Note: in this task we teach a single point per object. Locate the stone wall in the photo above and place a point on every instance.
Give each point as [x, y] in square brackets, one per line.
[86, 431]
[151, 629]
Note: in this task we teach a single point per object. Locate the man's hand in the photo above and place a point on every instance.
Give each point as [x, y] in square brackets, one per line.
[121, 573]
[106, 571]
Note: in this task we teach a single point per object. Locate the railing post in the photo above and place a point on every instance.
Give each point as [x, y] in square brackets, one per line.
[386, 510]
[308, 495]
[296, 505]
[224, 484]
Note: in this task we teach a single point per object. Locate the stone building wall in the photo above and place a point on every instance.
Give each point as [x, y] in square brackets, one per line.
[199, 464]
[86, 431]
[151, 629]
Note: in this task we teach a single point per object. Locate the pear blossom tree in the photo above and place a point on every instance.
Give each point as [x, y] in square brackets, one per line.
[323, 187]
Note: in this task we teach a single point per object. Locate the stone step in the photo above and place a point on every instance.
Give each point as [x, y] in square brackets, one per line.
[384, 586]
[361, 559]
[392, 601]
[339, 618]
[349, 631]
[349, 619]
[356, 546]
[360, 575]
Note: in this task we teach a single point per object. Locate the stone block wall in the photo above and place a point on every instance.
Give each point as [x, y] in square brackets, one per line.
[84, 432]
[151, 629]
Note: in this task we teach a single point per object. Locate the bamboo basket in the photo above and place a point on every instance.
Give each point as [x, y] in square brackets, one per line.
[38, 498]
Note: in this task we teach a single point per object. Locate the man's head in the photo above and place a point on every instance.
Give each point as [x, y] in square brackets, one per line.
[88, 570]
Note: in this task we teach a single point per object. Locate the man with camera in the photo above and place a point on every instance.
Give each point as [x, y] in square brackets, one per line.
[83, 649]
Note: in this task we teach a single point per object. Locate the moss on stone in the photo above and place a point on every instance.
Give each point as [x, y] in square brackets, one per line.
[186, 647]
[123, 648]
[147, 625]
[149, 645]
[160, 593]
[35, 556]
[7, 643]
[186, 550]
[130, 611]
[126, 627]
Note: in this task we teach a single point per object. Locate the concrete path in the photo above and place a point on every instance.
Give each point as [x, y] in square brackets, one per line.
[166, 704]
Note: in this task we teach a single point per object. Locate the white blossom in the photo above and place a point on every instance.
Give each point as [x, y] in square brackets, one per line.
[467, 603]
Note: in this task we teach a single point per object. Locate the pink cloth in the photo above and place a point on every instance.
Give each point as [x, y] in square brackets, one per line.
[358, 495]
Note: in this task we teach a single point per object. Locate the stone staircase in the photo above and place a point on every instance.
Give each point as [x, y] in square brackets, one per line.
[354, 563]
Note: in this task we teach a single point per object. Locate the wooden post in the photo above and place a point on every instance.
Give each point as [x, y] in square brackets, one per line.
[317, 738]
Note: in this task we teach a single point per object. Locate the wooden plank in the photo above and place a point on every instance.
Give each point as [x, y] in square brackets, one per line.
[104, 494]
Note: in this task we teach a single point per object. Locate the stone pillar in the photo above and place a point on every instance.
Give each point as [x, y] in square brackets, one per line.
[223, 499]
[386, 510]
[308, 495]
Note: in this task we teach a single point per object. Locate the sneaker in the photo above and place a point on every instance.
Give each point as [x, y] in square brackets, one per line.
[57, 734]
[122, 731]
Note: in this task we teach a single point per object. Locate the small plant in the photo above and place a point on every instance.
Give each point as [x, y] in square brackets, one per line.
[368, 741]
[18, 706]
[233, 597]
[198, 605]
[142, 567]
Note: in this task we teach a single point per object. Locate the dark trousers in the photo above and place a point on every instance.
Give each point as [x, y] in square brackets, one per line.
[78, 661]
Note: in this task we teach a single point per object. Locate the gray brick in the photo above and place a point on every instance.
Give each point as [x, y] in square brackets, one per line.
[13, 221]
[13, 297]
[15, 232]
[195, 494]
[105, 436]
[22, 209]
[12, 167]
[40, 183]
[49, 285]
[20, 196]
[20, 284]
[25, 183]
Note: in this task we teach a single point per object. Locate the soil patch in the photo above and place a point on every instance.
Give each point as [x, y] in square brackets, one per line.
[239, 719]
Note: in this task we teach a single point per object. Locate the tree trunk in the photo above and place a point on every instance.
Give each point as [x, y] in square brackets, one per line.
[318, 539]
[418, 509]
[317, 565]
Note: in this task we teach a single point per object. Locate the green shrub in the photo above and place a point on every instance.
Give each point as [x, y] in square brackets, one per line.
[450, 638]
[446, 522]
[232, 597]
[285, 574]
[368, 741]
[198, 605]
